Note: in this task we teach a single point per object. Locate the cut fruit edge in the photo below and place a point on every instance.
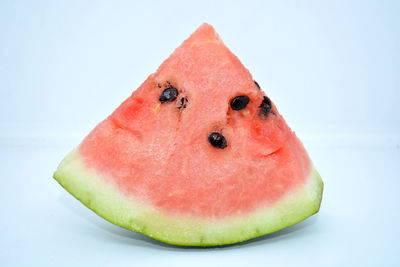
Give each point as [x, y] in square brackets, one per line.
[104, 199]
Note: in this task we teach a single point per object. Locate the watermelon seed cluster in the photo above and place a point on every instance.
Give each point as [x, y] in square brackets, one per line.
[238, 103]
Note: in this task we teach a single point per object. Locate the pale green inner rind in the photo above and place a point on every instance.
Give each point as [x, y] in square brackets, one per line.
[104, 199]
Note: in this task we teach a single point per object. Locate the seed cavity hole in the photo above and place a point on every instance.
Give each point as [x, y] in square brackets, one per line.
[183, 103]
[265, 106]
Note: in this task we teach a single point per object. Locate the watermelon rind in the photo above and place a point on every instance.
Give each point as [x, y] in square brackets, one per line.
[108, 201]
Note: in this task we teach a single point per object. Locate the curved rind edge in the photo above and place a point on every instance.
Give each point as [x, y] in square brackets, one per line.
[103, 198]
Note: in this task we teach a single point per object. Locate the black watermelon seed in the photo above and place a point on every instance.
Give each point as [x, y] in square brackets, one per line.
[239, 102]
[217, 140]
[257, 84]
[265, 106]
[168, 95]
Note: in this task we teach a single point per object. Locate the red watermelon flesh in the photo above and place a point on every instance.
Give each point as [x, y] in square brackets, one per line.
[150, 167]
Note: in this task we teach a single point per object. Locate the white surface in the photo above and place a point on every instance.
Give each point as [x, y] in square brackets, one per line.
[331, 68]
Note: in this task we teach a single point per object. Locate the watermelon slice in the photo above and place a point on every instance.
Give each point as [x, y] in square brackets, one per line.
[198, 155]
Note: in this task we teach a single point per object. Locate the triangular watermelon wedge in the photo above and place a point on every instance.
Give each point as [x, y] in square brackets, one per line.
[198, 155]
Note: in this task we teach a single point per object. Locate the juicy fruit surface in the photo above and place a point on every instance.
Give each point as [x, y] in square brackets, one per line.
[160, 153]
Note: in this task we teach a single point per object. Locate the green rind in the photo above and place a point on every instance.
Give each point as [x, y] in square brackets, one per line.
[104, 199]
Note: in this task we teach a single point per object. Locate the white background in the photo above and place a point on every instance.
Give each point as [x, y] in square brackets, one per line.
[332, 68]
